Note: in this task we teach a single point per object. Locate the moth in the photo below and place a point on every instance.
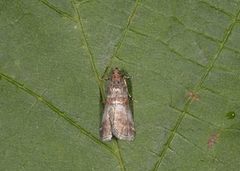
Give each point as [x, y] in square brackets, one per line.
[117, 117]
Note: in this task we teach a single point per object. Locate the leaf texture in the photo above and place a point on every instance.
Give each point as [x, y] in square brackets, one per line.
[183, 59]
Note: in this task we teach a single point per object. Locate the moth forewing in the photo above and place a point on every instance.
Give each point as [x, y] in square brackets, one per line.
[117, 117]
[123, 127]
[106, 127]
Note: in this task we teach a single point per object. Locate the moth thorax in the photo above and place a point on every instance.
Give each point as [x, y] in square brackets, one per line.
[119, 101]
[116, 91]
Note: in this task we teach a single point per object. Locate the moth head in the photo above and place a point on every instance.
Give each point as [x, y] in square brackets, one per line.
[116, 76]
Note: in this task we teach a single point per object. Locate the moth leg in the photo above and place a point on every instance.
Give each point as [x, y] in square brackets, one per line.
[106, 127]
[105, 78]
[127, 77]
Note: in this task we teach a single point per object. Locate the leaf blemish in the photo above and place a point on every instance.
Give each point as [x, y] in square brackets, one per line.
[213, 140]
[193, 96]
[231, 115]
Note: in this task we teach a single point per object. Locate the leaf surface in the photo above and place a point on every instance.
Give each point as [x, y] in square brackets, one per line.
[183, 59]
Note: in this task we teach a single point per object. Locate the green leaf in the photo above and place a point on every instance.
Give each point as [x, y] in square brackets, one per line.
[182, 57]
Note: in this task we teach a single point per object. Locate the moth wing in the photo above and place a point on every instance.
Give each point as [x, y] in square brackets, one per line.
[123, 126]
[106, 128]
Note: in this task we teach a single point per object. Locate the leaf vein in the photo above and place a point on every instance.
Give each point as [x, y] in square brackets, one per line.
[197, 88]
[217, 8]
[119, 156]
[58, 111]
[193, 30]
[57, 10]
[122, 38]
[91, 56]
[215, 57]
[94, 68]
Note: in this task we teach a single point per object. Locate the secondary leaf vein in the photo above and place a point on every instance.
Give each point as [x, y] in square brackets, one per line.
[196, 89]
[119, 44]
[57, 10]
[57, 111]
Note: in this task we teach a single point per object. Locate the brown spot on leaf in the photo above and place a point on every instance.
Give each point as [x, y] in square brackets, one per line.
[213, 140]
[193, 96]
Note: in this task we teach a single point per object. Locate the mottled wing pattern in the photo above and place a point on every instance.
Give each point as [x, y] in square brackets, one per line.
[106, 128]
[123, 126]
[117, 118]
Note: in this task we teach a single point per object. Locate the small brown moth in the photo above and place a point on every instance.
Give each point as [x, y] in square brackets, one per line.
[117, 116]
